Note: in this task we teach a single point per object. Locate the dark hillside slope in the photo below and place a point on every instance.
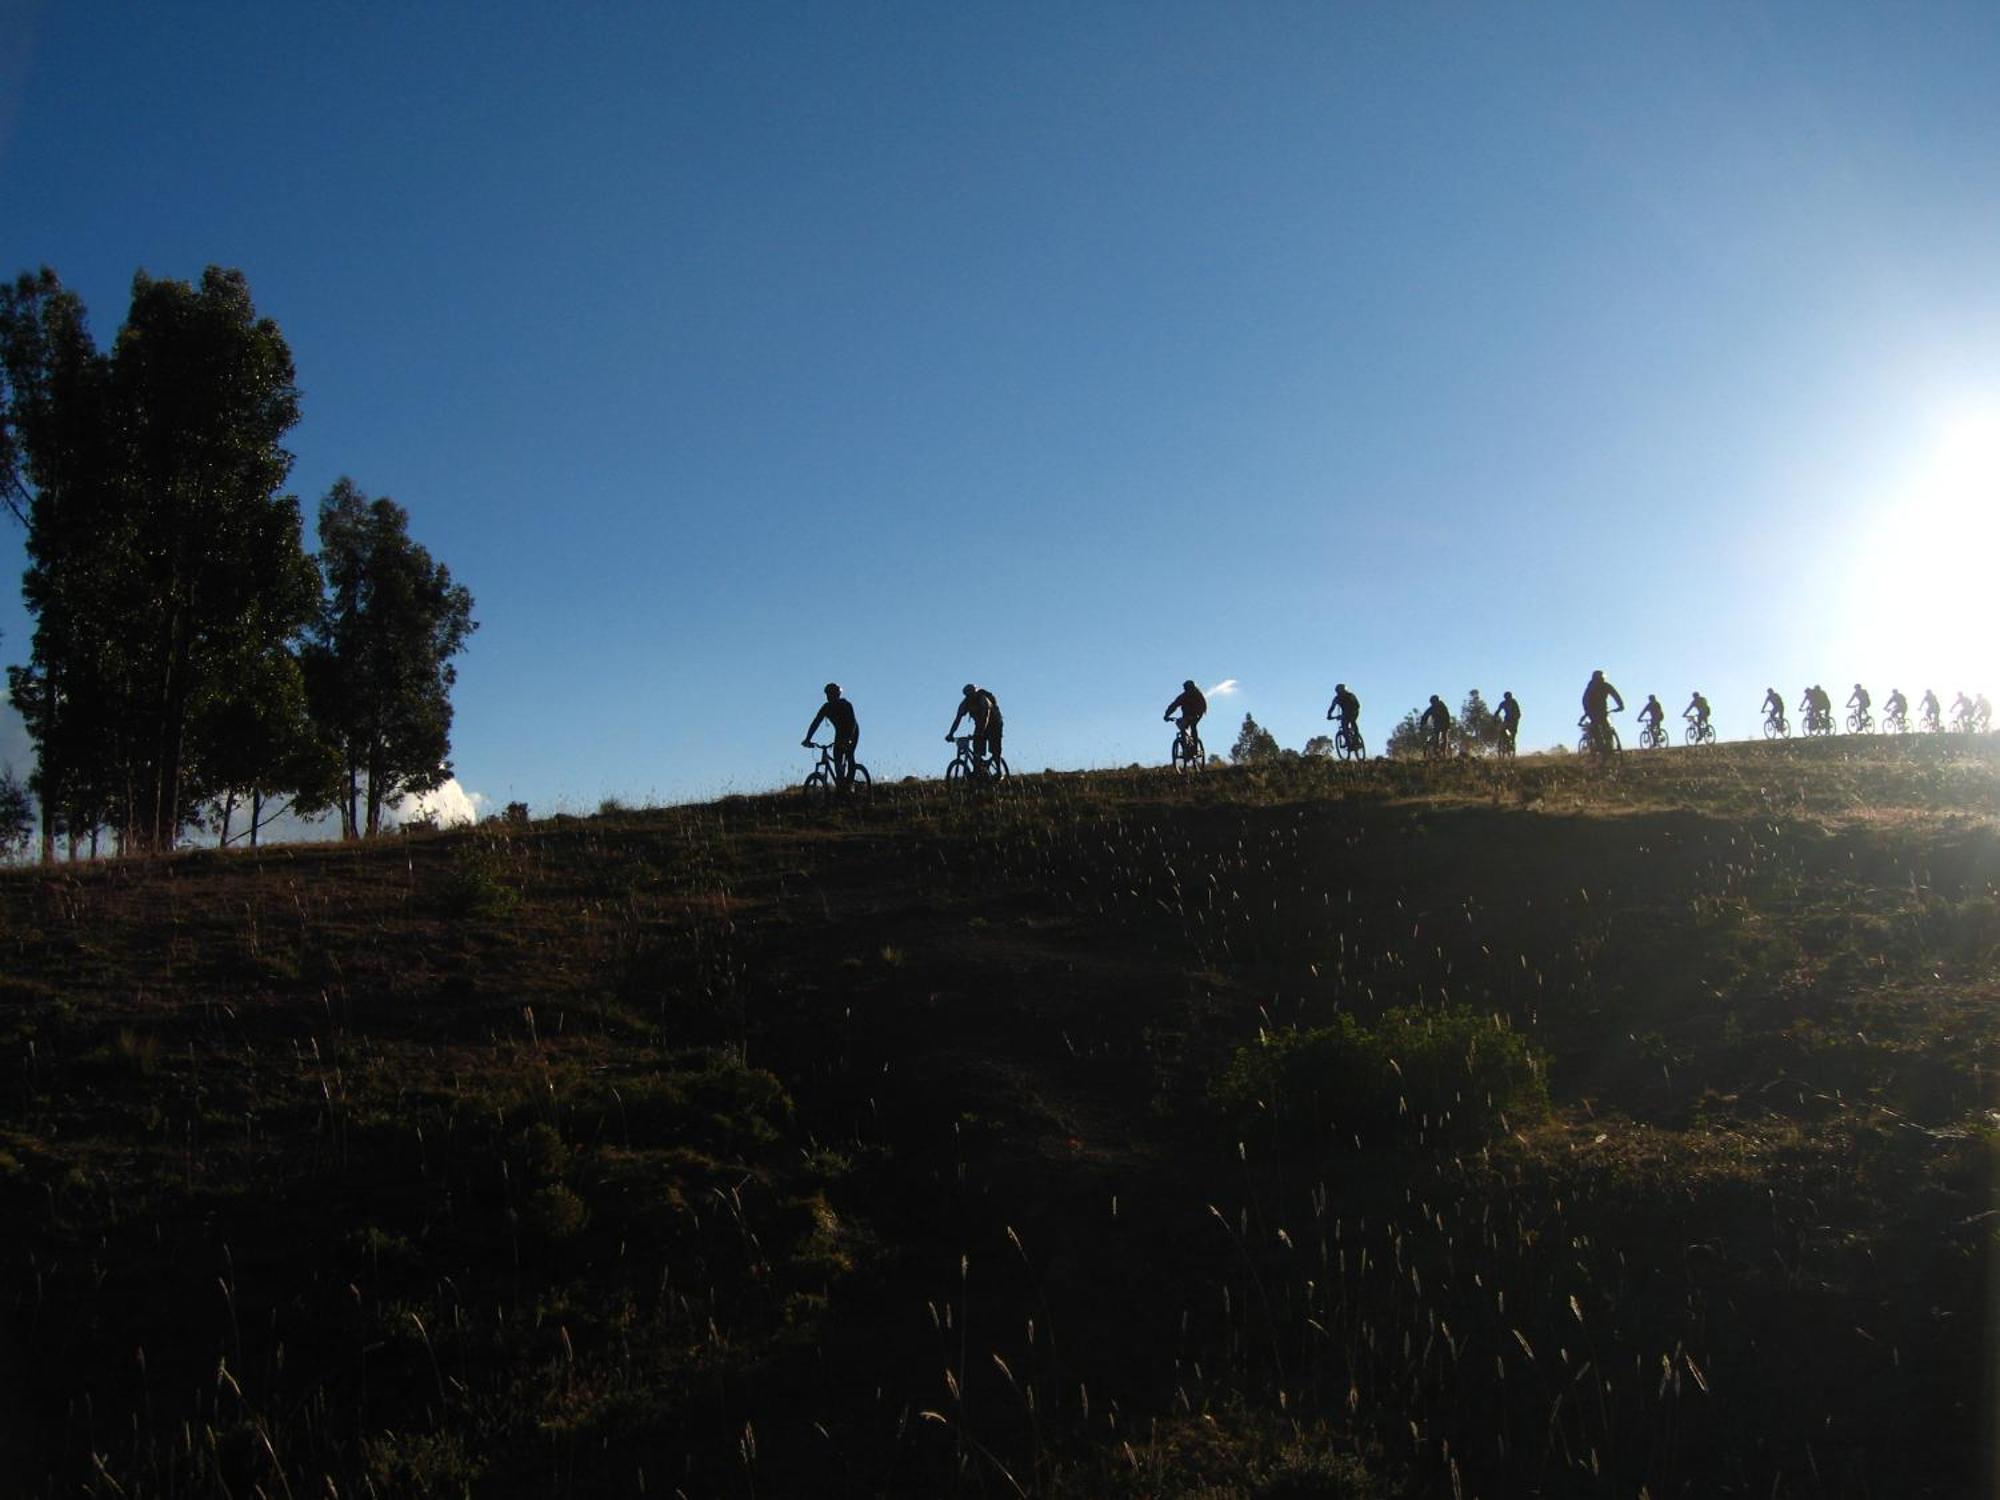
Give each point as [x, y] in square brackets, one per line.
[1320, 1131]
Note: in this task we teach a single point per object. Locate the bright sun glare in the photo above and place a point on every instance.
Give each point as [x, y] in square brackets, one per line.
[1926, 564]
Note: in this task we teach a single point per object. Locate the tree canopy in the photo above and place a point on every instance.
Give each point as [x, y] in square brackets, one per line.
[170, 587]
[379, 667]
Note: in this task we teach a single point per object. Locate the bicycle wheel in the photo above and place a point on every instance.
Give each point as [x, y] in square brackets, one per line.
[1180, 754]
[859, 783]
[1347, 744]
[815, 786]
[1854, 722]
[954, 774]
[996, 769]
[1584, 743]
[1776, 729]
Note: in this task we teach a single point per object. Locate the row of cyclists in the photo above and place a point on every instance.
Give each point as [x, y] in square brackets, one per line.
[979, 753]
[1971, 715]
[1968, 715]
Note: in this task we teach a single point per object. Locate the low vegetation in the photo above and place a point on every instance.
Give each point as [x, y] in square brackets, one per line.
[1297, 1130]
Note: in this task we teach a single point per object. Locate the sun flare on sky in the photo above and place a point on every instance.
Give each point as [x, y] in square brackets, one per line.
[1923, 574]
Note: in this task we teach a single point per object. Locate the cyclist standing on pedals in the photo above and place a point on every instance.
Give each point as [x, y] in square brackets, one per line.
[1860, 702]
[1508, 716]
[1191, 705]
[1650, 716]
[1597, 694]
[1346, 708]
[1933, 714]
[983, 709]
[1696, 713]
[1436, 726]
[839, 713]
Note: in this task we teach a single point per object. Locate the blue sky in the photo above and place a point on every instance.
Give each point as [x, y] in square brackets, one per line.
[722, 349]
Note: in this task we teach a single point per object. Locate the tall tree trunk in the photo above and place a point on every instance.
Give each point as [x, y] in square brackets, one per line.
[374, 790]
[256, 815]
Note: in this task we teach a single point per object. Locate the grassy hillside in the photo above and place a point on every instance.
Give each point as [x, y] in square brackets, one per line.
[1322, 1132]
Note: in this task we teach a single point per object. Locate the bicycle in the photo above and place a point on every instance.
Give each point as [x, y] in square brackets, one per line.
[1931, 722]
[1777, 727]
[1189, 754]
[1965, 720]
[1597, 738]
[826, 779]
[1504, 745]
[1860, 721]
[1699, 732]
[1818, 723]
[972, 769]
[1652, 735]
[1347, 743]
[1896, 723]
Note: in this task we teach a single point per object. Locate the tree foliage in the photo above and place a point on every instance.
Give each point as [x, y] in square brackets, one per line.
[17, 818]
[1406, 740]
[378, 669]
[188, 656]
[1253, 743]
[1476, 731]
[1319, 747]
[165, 568]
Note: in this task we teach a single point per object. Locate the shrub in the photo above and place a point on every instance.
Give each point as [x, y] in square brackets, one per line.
[1430, 1076]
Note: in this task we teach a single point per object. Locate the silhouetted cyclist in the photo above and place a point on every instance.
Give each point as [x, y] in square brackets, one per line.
[1597, 696]
[1860, 699]
[1508, 716]
[1345, 707]
[1651, 713]
[1818, 709]
[1435, 725]
[1933, 715]
[1982, 714]
[1191, 705]
[839, 713]
[1696, 712]
[1898, 707]
[1774, 706]
[983, 709]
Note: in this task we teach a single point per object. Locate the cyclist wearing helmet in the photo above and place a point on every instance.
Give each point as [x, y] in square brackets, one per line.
[839, 713]
[1508, 716]
[1696, 712]
[983, 709]
[1774, 706]
[1860, 700]
[1436, 725]
[1930, 708]
[1898, 707]
[1651, 712]
[1597, 695]
[1191, 705]
[1345, 707]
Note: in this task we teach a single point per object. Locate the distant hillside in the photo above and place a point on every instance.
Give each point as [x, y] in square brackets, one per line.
[1320, 1131]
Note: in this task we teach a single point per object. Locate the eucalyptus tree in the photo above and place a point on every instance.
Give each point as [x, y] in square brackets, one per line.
[165, 567]
[379, 667]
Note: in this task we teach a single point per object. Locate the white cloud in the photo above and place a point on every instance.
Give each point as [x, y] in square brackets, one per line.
[449, 804]
[1223, 689]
